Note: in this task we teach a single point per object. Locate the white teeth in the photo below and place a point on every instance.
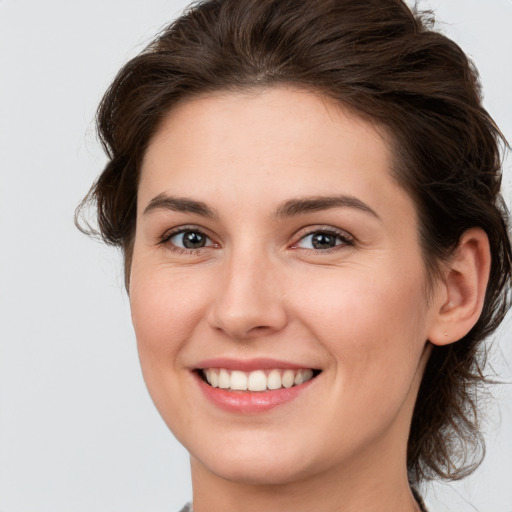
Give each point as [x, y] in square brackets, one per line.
[214, 378]
[274, 380]
[238, 381]
[258, 380]
[288, 378]
[307, 375]
[224, 379]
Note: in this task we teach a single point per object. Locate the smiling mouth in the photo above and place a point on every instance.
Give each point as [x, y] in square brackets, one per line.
[256, 381]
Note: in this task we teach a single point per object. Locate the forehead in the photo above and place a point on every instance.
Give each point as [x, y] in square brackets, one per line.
[267, 144]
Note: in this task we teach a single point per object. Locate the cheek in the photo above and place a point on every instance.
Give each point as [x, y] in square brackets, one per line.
[358, 301]
[166, 307]
[372, 324]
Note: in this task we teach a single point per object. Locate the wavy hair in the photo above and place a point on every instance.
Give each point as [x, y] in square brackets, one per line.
[386, 63]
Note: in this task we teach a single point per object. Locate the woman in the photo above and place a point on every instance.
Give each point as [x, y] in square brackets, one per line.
[307, 197]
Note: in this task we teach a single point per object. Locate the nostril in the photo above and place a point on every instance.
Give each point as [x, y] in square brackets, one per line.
[259, 330]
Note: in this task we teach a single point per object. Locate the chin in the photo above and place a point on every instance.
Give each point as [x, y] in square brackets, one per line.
[255, 463]
[263, 471]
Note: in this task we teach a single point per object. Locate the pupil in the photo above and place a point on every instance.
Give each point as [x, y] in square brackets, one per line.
[193, 240]
[323, 241]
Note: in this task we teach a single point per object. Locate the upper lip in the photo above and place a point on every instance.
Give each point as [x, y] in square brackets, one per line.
[248, 365]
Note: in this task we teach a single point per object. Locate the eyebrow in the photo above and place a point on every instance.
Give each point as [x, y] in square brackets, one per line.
[179, 204]
[291, 208]
[304, 205]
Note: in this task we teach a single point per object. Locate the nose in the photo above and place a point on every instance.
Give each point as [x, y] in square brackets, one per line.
[249, 302]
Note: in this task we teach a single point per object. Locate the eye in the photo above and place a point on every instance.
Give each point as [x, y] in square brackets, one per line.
[323, 240]
[189, 239]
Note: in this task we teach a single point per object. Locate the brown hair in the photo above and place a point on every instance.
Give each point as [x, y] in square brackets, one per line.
[385, 62]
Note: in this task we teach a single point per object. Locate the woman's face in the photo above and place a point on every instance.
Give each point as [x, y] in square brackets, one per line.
[273, 244]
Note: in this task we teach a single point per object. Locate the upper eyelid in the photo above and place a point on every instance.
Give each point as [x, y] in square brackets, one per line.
[183, 229]
[347, 239]
[310, 230]
[165, 239]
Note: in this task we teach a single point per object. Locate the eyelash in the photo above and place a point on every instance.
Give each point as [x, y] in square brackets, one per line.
[345, 238]
[183, 250]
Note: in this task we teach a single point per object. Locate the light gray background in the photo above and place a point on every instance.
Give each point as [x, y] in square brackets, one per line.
[78, 432]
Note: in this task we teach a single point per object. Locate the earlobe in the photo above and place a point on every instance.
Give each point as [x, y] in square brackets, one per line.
[464, 286]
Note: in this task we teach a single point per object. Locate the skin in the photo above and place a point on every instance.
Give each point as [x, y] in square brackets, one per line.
[359, 311]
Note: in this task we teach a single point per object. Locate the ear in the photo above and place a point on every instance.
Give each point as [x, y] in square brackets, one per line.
[461, 294]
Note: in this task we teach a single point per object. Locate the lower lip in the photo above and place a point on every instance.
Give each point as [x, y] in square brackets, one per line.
[250, 401]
